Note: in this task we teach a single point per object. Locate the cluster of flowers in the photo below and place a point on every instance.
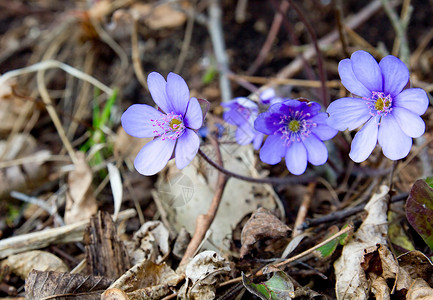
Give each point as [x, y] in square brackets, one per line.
[389, 112]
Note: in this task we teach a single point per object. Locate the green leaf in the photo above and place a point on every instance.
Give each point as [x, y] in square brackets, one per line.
[329, 248]
[278, 287]
[419, 210]
[429, 181]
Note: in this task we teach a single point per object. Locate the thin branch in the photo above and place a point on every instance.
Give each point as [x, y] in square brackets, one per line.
[204, 222]
[216, 33]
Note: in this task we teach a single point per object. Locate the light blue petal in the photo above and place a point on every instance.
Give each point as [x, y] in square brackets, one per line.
[415, 100]
[245, 134]
[349, 80]
[348, 113]
[186, 148]
[153, 157]
[411, 124]
[395, 75]
[395, 143]
[258, 140]
[296, 158]
[273, 149]
[367, 70]
[364, 141]
[136, 120]
[178, 93]
[322, 130]
[194, 115]
[317, 154]
[157, 88]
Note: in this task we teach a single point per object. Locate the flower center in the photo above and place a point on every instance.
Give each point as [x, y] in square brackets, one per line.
[380, 105]
[169, 126]
[294, 127]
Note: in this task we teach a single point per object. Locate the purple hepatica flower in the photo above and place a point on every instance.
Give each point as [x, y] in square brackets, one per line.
[174, 125]
[391, 114]
[242, 112]
[296, 131]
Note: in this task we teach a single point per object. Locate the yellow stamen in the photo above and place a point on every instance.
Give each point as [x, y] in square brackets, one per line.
[294, 126]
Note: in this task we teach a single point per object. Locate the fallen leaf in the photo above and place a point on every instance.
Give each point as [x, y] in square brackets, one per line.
[420, 290]
[201, 275]
[279, 286]
[262, 225]
[351, 281]
[150, 242]
[21, 264]
[80, 202]
[417, 265]
[160, 16]
[40, 284]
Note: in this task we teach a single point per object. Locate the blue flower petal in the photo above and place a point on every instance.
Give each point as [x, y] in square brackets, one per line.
[367, 70]
[178, 93]
[317, 154]
[296, 158]
[364, 142]
[186, 148]
[395, 143]
[265, 124]
[136, 120]
[153, 157]
[395, 75]
[157, 88]
[194, 116]
[415, 100]
[411, 124]
[245, 134]
[258, 140]
[348, 113]
[349, 80]
[273, 150]
[322, 130]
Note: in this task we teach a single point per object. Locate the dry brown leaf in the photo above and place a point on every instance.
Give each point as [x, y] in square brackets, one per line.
[21, 264]
[147, 280]
[160, 16]
[420, 290]
[150, 242]
[44, 284]
[10, 106]
[351, 280]
[417, 265]
[261, 226]
[80, 202]
[201, 275]
[114, 294]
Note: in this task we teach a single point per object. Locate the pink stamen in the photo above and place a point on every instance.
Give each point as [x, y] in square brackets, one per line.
[170, 126]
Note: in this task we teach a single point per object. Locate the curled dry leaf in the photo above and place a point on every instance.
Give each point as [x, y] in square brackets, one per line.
[80, 202]
[201, 275]
[419, 290]
[21, 264]
[351, 281]
[41, 284]
[160, 16]
[114, 294]
[10, 106]
[147, 280]
[262, 225]
[150, 242]
[27, 175]
[417, 265]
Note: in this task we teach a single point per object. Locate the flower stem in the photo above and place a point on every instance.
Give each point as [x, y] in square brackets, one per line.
[269, 180]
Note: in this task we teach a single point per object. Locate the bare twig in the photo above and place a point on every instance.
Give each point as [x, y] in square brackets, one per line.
[204, 222]
[186, 40]
[303, 209]
[273, 31]
[136, 64]
[216, 33]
